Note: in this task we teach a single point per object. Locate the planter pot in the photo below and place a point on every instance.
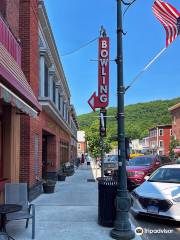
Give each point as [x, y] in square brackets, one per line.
[48, 188]
[69, 172]
[61, 177]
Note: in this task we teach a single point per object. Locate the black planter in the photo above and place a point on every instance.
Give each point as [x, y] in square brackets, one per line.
[61, 177]
[48, 188]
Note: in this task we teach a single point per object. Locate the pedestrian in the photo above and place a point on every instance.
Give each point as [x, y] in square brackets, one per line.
[82, 159]
[88, 161]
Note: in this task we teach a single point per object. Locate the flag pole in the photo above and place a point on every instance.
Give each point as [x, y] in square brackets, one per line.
[145, 68]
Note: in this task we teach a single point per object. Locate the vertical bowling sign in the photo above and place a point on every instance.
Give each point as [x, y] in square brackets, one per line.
[102, 99]
[103, 72]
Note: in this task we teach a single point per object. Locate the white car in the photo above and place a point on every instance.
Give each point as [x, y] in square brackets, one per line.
[159, 196]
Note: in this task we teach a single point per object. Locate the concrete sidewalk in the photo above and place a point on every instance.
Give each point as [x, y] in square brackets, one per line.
[68, 214]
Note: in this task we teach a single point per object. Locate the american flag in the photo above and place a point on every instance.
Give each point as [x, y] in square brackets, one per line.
[170, 19]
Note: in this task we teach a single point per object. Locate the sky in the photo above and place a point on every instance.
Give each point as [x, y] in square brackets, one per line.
[76, 22]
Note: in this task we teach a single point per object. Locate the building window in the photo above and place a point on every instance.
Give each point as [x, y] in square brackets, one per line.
[171, 133]
[161, 144]
[46, 81]
[79, 146]
[54, 92]
[64, 110]
[59, 102]
[36, 155]
[160, 132]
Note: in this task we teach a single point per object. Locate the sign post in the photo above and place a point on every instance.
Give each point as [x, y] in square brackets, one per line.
[102, 100]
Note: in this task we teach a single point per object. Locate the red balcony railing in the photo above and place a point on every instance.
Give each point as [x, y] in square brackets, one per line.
[9, 41]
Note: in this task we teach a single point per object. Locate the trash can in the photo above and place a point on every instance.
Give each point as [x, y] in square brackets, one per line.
[107, 189]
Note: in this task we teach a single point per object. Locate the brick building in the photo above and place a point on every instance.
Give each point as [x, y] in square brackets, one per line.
[159, 139]
[175, 112]
[50, 138]
[16, 95]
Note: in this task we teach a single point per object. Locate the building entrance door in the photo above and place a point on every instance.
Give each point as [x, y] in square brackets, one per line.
[44, 157]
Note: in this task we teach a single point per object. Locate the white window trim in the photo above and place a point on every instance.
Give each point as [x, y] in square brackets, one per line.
[161, 129]
[161, 141]
[171, 132]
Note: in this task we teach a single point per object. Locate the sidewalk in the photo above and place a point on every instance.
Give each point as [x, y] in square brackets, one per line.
[68, 214]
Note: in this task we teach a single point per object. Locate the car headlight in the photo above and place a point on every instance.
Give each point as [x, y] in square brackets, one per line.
[138, 173]
[176, 199]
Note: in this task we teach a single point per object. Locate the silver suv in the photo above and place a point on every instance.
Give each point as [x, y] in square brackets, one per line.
[110, 165]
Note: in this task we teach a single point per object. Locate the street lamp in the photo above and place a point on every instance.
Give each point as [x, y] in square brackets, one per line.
[122, 226]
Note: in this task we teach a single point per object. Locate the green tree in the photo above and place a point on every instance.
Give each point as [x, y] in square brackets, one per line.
[94, 141]
[173, 144]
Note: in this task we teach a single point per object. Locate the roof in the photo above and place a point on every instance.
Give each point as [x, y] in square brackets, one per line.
[174, 107]
[161, 126]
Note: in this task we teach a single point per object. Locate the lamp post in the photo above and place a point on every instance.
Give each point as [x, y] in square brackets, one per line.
[122, 226]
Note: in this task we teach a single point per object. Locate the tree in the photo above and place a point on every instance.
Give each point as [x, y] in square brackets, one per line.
[94, 141]
[173, 144]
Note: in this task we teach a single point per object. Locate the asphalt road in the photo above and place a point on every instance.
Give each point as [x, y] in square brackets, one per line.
[148, 223]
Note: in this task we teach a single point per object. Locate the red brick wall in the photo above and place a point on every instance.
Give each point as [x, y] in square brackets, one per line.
[176, 123]
[166, 139]
[29, 40]
[28, 31]
[10, 11]
[60, 135]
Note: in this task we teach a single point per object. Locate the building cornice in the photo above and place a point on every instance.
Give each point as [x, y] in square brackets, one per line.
[174, 107]
[47, 31]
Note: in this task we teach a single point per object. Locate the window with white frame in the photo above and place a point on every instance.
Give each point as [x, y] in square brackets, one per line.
[160, 132]
[79, 146]
[161, 143]
[59, 102]
[54, 92]
[46, 81]
[171, 133]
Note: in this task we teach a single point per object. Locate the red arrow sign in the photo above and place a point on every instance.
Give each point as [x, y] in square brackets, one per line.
[94, 102]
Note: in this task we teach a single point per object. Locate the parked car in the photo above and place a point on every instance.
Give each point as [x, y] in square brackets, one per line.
[159, 196]
[141, 166]
[110, 165]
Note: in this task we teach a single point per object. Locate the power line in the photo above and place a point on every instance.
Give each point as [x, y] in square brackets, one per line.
[79, 48]
[128, 6]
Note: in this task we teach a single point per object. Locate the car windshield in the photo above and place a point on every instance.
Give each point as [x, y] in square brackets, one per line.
[169, 175]
[141, 161]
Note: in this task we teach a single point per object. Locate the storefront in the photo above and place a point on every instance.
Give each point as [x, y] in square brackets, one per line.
[16, 98]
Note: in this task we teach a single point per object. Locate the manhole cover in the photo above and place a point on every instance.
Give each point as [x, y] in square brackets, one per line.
[91, 180]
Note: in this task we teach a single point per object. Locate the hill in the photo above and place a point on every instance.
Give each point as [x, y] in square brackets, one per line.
[138, 118]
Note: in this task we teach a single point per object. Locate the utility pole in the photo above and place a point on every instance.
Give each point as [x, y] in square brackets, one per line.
[122, 226]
